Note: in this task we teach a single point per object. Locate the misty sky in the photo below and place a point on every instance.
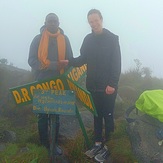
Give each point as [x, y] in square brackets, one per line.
[138, 23]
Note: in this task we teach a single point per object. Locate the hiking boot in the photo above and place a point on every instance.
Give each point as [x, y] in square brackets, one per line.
[93, 151]
[102, 155]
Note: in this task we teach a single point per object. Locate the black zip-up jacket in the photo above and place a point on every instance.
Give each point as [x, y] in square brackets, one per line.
[102, 55]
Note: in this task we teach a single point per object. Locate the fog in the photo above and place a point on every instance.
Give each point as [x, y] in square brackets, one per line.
[138, 24]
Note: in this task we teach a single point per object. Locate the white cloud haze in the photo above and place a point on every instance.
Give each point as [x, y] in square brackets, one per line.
[138, 24]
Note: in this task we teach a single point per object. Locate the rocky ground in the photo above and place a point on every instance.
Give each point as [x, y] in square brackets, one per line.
[144, 139]
[69, 125]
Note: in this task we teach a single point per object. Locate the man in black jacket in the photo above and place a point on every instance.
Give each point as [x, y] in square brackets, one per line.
[101, 52]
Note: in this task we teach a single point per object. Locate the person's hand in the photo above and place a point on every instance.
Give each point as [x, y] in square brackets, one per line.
[62, 64]
[109, 90]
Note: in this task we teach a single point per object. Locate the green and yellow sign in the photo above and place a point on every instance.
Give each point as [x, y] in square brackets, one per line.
[23, 95]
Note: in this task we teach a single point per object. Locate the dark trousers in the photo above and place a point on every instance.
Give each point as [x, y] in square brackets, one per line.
[43, 125]
[105, 109]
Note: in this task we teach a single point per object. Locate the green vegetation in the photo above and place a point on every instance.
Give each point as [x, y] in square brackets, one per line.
[31, 154]
[119, 146]
[23, 122]
[26, 151]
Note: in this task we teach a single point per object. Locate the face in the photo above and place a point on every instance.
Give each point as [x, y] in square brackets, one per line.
[52, 23]
[95, 22]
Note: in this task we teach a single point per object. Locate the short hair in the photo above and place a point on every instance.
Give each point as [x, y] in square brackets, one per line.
[95, 11]
[51, 14]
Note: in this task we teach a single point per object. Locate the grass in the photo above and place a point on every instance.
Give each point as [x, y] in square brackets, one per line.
[28, 149]
[75, 149]
[28, 139]
[30, 153]
[119, 146]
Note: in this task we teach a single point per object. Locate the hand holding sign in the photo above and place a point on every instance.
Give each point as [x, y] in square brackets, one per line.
[62, 64]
